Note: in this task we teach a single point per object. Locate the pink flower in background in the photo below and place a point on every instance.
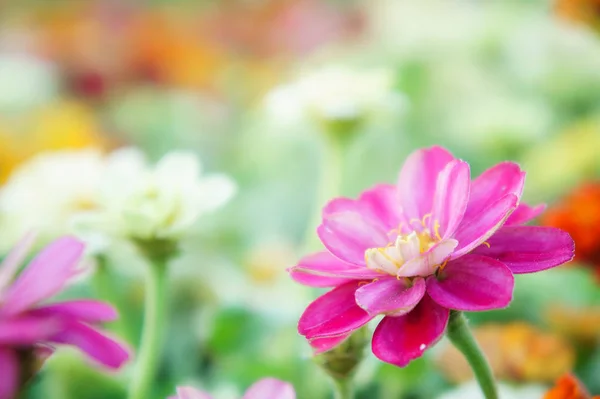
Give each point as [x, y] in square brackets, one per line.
[435, 241]
[27, 325]
[267, 388]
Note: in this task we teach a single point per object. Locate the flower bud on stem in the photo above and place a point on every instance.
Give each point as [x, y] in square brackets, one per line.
[341, 362]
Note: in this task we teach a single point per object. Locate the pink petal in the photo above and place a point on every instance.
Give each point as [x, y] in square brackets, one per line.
[45, 276]
[451, 197]
[418, 178]
[472, 283]
[527, 249]
[347, 235]
[27, 330]
[390, 296]
[325, 270]
[398, 340]
[191, 393]
[494, 184]
[524, 213]
[426, 263]
[85, 310]
[96, 345]
[9, 364]
[321, 345]
[14, 259]
[334, 313]
[270, 388]
[481, 227]
[382, 203]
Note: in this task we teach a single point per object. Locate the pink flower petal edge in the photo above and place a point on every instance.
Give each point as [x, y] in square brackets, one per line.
[398, 340]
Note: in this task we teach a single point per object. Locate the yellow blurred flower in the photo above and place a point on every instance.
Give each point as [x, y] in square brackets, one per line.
[563, 161]
[579, 324]
[517, 352]
[60, 125]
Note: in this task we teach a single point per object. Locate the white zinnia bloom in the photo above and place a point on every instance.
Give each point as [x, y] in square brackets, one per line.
[472, 390]
[46, 192]
[142, 202]
[334, 93]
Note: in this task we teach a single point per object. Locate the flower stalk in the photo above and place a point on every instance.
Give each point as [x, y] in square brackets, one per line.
[331, 177]
[461, 337]
[152, 332]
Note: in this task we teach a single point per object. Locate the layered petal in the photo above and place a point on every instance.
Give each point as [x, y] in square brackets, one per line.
[390, 296]
[45, 276]
[451, 197]
[418, 178]
[321, 345]
[190, 393]
[334, 313]
[524, 213]
[527, 249]
[493, 184]
[9, 364]
[427, 262]
[27, 330]
[325, 270]
[85, 310]
[348, 234]
[270, 388]
[96, 345]
[14, 259]
[398, 340]
[478, 229]
[472, 283]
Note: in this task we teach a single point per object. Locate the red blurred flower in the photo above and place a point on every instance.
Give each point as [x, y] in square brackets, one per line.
[568, 387]
[579, 214]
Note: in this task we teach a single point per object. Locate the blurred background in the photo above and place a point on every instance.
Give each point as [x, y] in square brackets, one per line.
[257, 89]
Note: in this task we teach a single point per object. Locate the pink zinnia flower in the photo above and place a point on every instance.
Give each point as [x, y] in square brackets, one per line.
[267, 388]
[28, 326]
[435, 241]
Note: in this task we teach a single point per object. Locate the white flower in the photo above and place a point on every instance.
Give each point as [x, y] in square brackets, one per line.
[334, 93]
[162, 202]
[471, 390]
[45, 193]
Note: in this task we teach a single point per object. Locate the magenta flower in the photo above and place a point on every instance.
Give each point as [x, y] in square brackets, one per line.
[28, 326]
[267, 388]
[411, 252]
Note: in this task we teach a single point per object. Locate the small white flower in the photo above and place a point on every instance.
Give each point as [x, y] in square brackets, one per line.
[162, 202]
[472, 390]
[334, 93]
[46, 192]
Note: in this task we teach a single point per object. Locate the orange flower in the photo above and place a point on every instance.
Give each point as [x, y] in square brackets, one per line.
[583, 11]
[579, 214]
[568, 387]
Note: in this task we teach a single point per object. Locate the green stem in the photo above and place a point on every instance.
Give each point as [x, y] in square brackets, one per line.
[151, 342]
[330, 185]
[460, 335]
[105, 287]
[343, 388]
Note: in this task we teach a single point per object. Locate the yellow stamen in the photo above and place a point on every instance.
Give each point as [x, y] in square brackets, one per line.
[487, 244]
[425, 218]
[436, 230]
